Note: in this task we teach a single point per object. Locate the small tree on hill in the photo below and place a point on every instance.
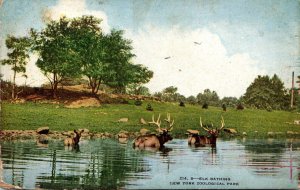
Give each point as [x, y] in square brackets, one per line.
[192, 100]
[18, 56]
[209, 97]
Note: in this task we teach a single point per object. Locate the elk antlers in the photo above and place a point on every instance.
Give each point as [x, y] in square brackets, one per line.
[206, 129]
[158, 123]
[170, 128]
[222, 123]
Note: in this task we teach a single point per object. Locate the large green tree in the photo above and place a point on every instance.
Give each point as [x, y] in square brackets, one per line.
[18, 55]
[267, 93]
[92, 48]
[56, 48]
[122, 71]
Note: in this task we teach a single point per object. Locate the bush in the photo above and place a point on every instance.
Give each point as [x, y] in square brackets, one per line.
[224, 107]
[149, 107]
[205, 106]
[181, 104]
[138, 103]
[240, 107]
[269, 109]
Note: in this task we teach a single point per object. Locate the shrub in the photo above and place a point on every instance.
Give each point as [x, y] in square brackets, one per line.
[224, 107]
[269, 109]
[149, 107]
[205, 106]
[239, 107]
[138, 103]
[181, 104]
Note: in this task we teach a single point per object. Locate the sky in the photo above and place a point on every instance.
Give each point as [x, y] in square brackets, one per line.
[191, 44]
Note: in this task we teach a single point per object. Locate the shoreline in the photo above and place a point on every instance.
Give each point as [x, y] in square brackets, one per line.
[11, 135]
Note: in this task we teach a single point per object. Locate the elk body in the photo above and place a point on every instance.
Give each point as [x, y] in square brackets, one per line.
[201, 140]
[73, 141]
[153, 140]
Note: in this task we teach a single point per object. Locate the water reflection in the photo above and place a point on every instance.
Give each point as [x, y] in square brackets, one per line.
[106, 164]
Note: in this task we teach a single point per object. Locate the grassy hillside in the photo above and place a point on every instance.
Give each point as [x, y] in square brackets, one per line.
[104, 119]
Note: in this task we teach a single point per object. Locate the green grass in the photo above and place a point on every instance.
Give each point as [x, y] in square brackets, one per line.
[104, 119]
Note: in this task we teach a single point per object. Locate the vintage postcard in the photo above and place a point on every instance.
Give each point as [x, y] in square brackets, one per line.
[149, 94]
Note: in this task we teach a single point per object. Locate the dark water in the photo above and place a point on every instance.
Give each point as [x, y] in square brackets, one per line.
[106, 164]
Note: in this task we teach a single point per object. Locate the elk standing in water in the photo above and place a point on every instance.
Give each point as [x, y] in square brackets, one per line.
[153, 140]
[73, 141]
[202, 140]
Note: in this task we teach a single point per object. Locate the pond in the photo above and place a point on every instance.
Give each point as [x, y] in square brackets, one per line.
[106, 164]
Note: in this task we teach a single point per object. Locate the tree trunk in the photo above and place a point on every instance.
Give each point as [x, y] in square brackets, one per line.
[54, 90]
[54, 86]
[98, 86]
[13, 90]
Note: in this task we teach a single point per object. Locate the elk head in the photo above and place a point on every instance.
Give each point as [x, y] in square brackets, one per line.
[155, 140]
[163, 132]
[214, 132]
[75, 140]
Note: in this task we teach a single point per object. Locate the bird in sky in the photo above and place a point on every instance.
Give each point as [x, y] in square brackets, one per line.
[167, 57]
[198, 43]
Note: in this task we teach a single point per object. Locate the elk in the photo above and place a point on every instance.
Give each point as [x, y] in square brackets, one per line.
[75, 140]
[153, 140]
[201, 140]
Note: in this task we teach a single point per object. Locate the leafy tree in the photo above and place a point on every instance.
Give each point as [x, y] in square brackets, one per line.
[230, 101]
[280, 98]
[18, 56]
[138, 90]
[170, 90]
[119, 55]
[191, 100]
[56, 48]
[140, 75]
[209, 97]
[91, 47]
[159, 95]
[267, 93]
[170, 94]
[179, 97]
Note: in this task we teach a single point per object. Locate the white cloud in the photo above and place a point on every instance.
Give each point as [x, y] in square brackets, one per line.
[192, 67]
[34, 74]
[72, 9]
